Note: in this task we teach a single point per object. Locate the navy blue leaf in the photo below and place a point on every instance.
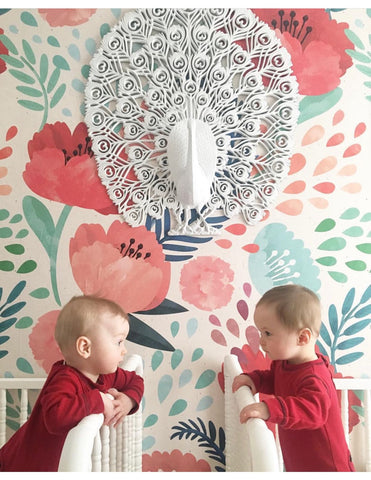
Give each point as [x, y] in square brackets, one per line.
[212, 430]
[350, 343]
[221, 439]
[325, 335]
[12, 309]
[349, 358]
[177, 258]
[362, 312]
[367, 295]
[357, 327]
[143, 334]
[178, 248]
[17, 290]
[186, 238]
[167, 307]
[348, 301]
[333, 318]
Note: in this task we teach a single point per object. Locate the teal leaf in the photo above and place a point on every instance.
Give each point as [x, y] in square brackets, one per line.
[54, 77]
[197, 354]
[12, 310]
[192, 326]
[53, 41]
[44, 67]
[28, 19]
[60, 62]
[325, 335]
[40, 221]
[363, 312]
[366, 295]
[338, 277]
[312, 106]
[164, 387]
[36, 107]
[4, 325]
[185, 377]
[157, 359]
[174, 327]
[348, 301]
[350, 343]
[40, 293]
[148, 442]
[142, 334]
[204, 403]
[13, 62]
[58, 95]
[178, 407]
[326, 225]
[349, 358]
[30, 91]
[333, 318]
[17, 290]
[24, 322]
[8, 44]
[27, 266]
[333, 244]
[24, 365]
[176, 358]
[166, 307]
[357, 327]
[28, 52]
[150, 421]
[205, 379]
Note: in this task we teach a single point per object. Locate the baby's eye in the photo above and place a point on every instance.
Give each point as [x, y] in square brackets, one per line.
[119, 342]
[267, 334]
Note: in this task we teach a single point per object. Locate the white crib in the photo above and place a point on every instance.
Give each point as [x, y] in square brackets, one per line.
[90, 446]
[251, 447]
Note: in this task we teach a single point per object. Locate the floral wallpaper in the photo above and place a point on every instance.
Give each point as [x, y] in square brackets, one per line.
[190, 299]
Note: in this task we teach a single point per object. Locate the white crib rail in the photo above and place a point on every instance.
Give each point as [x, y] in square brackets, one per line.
[238, 453]
[111, 449]
[250, 446]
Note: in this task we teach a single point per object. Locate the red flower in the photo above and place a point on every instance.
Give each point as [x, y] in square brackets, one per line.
[62, 168]
[175, 461]
[3, 51]
[316, 43]
[59, 17]
[126, 265]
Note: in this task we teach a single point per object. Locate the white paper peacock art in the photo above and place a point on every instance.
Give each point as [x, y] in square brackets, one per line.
[191, 111]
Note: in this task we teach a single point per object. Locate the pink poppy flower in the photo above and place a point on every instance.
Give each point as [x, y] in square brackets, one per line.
[126, 265]
[206, 282]
[174, 461]
[60, 17]
[42, 343]
[316, 43]
[62, 168]
[3, 51]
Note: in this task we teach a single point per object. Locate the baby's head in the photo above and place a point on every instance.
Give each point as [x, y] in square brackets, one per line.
[296, 307]
[79, 317]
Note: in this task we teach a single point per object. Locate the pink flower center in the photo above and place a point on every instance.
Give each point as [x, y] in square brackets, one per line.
[288, 23]
[133, 251]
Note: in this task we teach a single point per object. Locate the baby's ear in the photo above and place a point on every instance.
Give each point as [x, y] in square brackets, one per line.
[305, 335]
[83, 346]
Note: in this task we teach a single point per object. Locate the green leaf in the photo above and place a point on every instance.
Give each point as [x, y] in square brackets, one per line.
[40, 221]
[338, 277]
[58, 95]
[44, 65]
[53, 41]
[32, 92]
[357, 265]
[23, 77]
[361, 57]
[24, 322]
[28, 52]
[364, 69]
[351, 357]
[6, 266]
[205, 379]
[5, 232]
[16, 218]
[333, 318]
[4, 214]
[28, 19]
[363, 312]
[348, 301]
[197, 354]
[8, 44]
[142, 334]
[178, 407]
[37, 107]
[357, 327]
[325, 225]
[176, 358]
[312, 106]
[60, 62]
[327, 261]
[333, 244]
[22, 233]
[13, 62]
[354, 232]
[7, 324]
[364, 247]
[40, 293]
[15, 249]
[54, 77]
[350, 214]
[350, 343]
[157, 359]
[24, 365]
[150, 421]
[354, 38]
[366, 295]
[167, 307]
[27, 267]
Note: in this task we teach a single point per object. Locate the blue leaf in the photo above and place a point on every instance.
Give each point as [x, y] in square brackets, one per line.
[167, 307]
[363, 312]
[350, 343]
[348, 301]
[367, 295]
[333, 318]
[321, 348]
[325, 335]
[351, 357]
[177, 258]
[357, 327]
[178, 248]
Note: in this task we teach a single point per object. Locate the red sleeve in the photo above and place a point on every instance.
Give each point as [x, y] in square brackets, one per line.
[263, 380]
[308, 409]
[126, 382]
[64, 394]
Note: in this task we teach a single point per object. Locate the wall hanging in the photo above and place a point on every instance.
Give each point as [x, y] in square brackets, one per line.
[191, 110]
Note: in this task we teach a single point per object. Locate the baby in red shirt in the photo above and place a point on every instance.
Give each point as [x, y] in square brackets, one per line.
[304, 401]
[91, 333]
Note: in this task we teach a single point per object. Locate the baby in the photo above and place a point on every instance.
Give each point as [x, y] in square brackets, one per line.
[91, 333]
[304, 402]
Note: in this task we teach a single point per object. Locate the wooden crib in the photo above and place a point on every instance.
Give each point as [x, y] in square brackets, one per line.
[251, 447]
[90, 446]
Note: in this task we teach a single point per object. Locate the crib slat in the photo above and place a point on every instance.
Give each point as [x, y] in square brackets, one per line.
[96, 455]
[367, 406]
[2, 416]
[345, 414]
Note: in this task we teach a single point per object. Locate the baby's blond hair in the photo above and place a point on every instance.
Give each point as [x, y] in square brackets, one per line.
[296, 306]
[79, 316]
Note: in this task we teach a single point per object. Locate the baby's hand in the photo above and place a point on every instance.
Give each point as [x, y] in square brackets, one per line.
[243, 380]
[254, 410]
[109, 408]
[122, 406]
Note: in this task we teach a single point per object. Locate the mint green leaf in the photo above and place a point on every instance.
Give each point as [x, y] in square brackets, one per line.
[178, 407]
[364, 69]
[24, 322]
[205, 379]
[37, 107]
[6, 266]
[364, 247]
[327, 261]
[40, 293]
[357, 265]
[40, 221]
[23, 77]
[58, 95]
[24, 365]
[53, 41]
[28, 52]
[60, 62]
[361, 57]
[54, 77]
[326, 225]
[28, 19]
[312, 106]
[354, 38]
[32, 92]
[13, 62]
[350, 214]
[333, 244]
[150, 421]
[27, 267]
[338, 277]
[8, 44]
[44, 66]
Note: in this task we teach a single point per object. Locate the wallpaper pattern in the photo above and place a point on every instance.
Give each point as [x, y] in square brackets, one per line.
[190, 299]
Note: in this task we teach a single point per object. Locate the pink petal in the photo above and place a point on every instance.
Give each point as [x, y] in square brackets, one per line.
[360, 129]
[325, 187]
[291, 207]
[236, 229]
[247, 289]
[243, 309]
[338, 117]
[297, 163]
[295, 187]
[325, 165]
[313, 135]
[251, 248]
[218, 337]
[320, 203]
[335, 140]
[214, 320]
[224, 243]
[352, 150]
[233, 327]
[348, 170]
[352, 188]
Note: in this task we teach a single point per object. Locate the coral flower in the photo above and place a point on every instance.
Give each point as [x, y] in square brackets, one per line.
[174, 461]
[42, 343]
[60, 17]
[3, 51]
[316, 43]
[206, 282]
[62, 168]
[126, 265]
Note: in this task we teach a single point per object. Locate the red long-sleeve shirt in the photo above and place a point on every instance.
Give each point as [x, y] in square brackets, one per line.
[66, 397]
[306, 408]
